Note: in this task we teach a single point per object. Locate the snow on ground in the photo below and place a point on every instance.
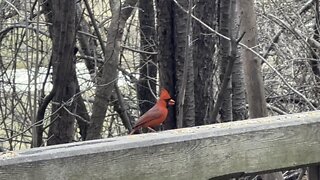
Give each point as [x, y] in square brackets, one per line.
[23, 82]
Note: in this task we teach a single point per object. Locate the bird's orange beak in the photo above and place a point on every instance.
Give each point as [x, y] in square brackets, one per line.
[171, 102]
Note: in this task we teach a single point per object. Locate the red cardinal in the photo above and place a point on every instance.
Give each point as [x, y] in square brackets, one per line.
[157, 114]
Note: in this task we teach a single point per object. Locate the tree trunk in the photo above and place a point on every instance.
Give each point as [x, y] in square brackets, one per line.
[252, 68]
[239, 109]
[203, 53]
[172, 32]
[224, 29]
[185, 107]
[148, 69]
[63, 40]
[315, 65]
[252, 65]
[166, 54]
[109, 71]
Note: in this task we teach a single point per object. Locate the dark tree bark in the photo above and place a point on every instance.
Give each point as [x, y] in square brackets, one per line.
[314, 172]
[224, 29]
[80, 109]
[315, 65]
[62, 126]
[203, 52]
[86, 43]
[148, 68]
[110, 67]
[47, 10]
[185, 105]
[172, 33]
[230, 58]
[165, 56]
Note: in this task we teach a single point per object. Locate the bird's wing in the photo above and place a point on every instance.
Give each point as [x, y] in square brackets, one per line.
[153, 113]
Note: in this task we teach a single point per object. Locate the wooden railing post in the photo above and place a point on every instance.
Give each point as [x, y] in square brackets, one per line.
[314, 172]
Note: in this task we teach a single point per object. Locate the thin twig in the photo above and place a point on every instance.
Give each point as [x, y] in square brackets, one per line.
[76, 115]
[275, 38]
[14, 7]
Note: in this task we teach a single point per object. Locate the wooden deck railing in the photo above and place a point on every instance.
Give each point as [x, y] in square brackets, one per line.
[212, 151]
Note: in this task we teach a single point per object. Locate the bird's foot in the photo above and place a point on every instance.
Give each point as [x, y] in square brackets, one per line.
[152, 129]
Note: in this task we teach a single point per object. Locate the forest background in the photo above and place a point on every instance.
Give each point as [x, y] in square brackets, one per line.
[80, 70]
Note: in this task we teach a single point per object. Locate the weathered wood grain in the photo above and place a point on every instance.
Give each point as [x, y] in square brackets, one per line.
[250, 146]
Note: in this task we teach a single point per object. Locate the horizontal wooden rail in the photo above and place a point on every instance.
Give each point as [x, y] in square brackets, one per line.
[242, 147]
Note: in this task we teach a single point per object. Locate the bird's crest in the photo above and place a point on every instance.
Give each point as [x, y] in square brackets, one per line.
[164, 94]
